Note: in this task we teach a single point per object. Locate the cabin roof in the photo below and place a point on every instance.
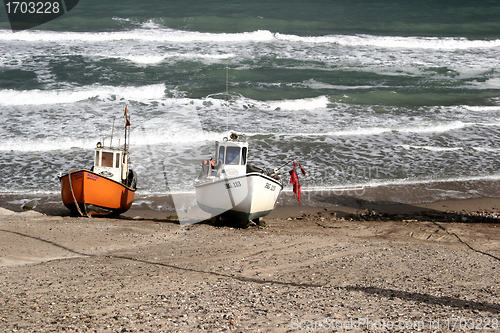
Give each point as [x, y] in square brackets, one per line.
[234, 143]
[110, 150]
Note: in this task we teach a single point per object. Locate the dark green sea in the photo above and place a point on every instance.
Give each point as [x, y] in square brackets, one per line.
[362, 93]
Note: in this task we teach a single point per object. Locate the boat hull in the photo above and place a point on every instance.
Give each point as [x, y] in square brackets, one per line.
[88, 193]
[243, 198]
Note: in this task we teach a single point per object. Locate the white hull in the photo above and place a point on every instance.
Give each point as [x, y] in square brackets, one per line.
[243, 198]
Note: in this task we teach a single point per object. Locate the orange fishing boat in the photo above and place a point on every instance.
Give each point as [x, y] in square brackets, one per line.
[108, 188]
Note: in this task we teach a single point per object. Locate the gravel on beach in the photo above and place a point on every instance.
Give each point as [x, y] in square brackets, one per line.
[310, 272]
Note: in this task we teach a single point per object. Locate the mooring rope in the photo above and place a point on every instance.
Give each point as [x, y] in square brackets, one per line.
[73, 194]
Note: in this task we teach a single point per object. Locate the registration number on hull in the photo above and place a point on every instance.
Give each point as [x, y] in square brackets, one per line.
[270, 187]
[92, 177]
[233, 184]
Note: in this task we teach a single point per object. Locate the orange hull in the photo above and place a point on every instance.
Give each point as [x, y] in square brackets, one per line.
[95, 194]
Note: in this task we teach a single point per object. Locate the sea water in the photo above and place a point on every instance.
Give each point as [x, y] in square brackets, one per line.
[362, 94]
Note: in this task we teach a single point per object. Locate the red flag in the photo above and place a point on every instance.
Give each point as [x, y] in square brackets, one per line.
[297, 191]
[294, 179]
[127, 119]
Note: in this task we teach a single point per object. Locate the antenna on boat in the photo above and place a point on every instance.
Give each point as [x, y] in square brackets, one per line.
[227, 96]
[128, 129]
[125, 143]
[112, 131]
[127, 124]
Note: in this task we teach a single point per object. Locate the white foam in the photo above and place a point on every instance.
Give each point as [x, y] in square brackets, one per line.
[176, 124]
[46, 144]
[153, 32]
[438, 128]
[402, 182]
[321, 85]
[368, 131]
[30, 191]
[482, 108]
[300, 104]
[149, 35]
[361, 131]
[154, 44]
[438, 43]
[156, 59]
[493, 83]
[160, 131]
[432, 148]
[62, 96]
[486, 149]
[145, 59]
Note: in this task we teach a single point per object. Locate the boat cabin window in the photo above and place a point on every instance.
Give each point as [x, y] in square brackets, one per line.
[244, 156]
[97, 159]
[221, 154]
[107, 159]
[232, 155]
[117, 160]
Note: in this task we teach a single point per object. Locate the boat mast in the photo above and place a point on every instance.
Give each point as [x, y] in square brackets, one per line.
[112, 131]
[227, 96]
[125, 143]
[127, 124]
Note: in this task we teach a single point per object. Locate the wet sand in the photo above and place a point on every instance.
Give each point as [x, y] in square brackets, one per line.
[361, 266]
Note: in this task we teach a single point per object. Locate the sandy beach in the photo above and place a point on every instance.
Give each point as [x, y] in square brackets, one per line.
[371, 267]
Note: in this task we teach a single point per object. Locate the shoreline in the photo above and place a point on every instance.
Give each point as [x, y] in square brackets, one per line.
[146, 207]
[449, 200]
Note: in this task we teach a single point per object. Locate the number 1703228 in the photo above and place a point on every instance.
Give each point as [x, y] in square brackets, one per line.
[22, 7]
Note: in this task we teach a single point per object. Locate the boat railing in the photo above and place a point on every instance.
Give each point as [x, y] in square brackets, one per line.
[253, 168]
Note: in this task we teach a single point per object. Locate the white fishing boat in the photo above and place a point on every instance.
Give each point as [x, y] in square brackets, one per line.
[228, 187]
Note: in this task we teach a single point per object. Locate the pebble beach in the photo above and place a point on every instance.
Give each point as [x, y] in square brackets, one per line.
[378, 269]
